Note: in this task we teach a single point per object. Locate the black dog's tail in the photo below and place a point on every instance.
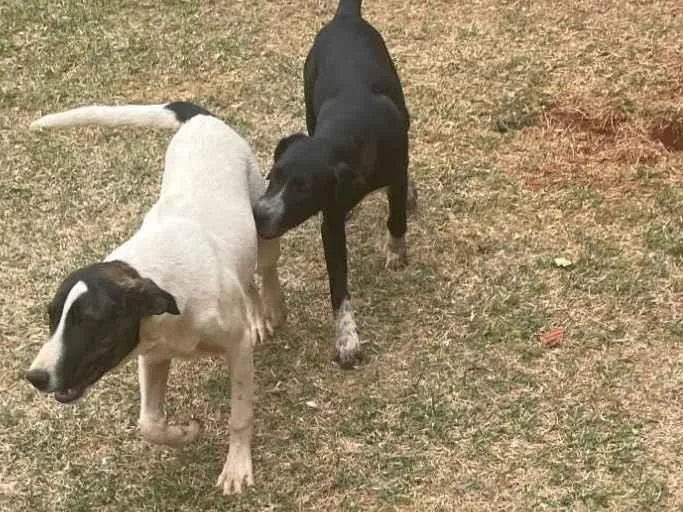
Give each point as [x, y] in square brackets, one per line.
[349, 7]
[167, 115]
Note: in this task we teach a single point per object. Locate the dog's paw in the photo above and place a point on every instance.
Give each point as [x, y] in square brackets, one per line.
[348, 352]
[411, 198]
[237, 472]
[160, 432]
[347, 344]
[395, 253]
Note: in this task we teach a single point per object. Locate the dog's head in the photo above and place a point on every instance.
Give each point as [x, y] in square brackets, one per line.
[302, 180]
[94, 321]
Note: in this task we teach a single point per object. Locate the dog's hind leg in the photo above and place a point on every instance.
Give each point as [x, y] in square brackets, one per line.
[347, 343]
[399, 194]
[153, 376]
[237, 471]
[274, 311]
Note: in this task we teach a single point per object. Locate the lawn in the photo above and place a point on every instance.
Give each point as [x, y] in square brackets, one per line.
[547, 148]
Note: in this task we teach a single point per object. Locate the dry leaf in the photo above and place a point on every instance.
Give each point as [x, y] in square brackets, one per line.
[551, 338]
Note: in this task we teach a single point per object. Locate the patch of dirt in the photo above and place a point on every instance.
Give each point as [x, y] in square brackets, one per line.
[603, 124]
[579, 141]
[669, 133]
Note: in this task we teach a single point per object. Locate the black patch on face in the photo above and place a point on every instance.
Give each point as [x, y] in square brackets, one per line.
[184, 111]
[102, 326]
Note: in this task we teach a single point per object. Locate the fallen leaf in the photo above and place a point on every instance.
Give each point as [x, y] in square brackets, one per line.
[551, 338]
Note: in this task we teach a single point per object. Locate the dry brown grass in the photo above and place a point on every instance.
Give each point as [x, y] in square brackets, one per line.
[538, 131]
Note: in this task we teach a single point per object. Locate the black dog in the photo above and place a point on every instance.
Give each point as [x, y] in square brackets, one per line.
[358, 123]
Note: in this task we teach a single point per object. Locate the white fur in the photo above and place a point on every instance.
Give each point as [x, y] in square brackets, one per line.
[158, 116]
[199, 243]
[50, 353]
[347, 342]
[101, 115]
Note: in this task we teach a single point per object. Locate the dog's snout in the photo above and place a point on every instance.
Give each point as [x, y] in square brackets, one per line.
[263, 213]
[259, 212]
[40, 379]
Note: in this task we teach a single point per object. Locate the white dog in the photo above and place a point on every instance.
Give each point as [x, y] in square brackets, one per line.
[182, 286]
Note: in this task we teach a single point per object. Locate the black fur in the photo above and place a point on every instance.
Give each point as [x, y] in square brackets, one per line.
[351, 7]
[102, 326]
[184, 111]
[357, 142]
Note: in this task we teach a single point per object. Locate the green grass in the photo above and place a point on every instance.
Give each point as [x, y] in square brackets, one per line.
[532, 139]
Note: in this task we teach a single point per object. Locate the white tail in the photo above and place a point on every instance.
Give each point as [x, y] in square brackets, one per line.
[155, 116]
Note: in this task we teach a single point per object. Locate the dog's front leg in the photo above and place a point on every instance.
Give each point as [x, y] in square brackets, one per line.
[152, 376]
[255, 316]
[237, 472]
[274, 310]
[347, 344]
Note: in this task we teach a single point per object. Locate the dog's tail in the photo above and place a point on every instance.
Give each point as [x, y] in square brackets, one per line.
[349, 7]
[167, 115]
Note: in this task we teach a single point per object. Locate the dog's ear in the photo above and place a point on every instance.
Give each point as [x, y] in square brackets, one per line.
[284, 144]
[148, 299]
[348, 178]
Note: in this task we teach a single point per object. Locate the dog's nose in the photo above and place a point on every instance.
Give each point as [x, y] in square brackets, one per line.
[39, 378]
[259, 209]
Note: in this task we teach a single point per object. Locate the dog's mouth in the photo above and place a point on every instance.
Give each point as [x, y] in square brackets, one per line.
[268, 227]
[70, 395]
[269, 234]
[73, 393]
[275, 229]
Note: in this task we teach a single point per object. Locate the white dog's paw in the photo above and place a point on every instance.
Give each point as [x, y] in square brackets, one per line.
[346, 343]
[395, 253]
[237, 472]
[160, 432]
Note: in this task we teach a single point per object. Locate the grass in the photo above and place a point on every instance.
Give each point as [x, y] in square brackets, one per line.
[538, 132]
